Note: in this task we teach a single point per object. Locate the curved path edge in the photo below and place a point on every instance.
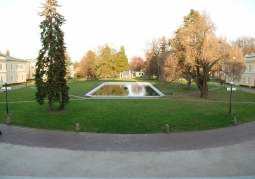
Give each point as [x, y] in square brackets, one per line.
[119, 142]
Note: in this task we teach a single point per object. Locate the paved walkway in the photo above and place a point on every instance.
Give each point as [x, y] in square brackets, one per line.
[42, 153]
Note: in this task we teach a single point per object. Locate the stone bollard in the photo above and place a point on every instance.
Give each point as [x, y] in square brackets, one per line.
[9, 121]
[167, 128]
[77, 127]
[235, 121]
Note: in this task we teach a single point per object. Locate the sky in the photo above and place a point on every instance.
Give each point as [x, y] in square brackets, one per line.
[131, 23]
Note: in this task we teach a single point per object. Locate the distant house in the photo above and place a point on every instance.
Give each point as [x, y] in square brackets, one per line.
[125, 74]
[72, 70]
[248, 76]
[13, 70]
[138, 73]
[30, 68]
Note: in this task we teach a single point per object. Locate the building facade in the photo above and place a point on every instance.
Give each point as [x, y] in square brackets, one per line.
[15, 70]
[248, 76]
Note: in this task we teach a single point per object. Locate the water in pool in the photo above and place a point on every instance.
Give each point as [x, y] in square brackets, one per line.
[125, 89]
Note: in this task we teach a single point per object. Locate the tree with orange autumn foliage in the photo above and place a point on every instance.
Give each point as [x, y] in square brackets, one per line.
[196, 49]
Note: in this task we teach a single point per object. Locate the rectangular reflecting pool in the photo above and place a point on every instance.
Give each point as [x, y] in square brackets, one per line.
[125, 89]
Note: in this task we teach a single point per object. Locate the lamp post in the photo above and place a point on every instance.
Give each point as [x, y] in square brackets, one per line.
[6, 99]
[231, 84]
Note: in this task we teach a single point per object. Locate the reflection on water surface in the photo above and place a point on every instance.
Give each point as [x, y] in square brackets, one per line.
[125, 90]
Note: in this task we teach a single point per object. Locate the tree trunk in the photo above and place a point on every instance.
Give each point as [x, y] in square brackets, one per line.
[204, 89]
[50, 107]
[50, 104]
[189, 85]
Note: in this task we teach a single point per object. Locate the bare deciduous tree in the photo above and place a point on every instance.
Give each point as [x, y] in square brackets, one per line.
[136, 64]
[87, 65]
[234, 64]
[156, 54]
[245, 44]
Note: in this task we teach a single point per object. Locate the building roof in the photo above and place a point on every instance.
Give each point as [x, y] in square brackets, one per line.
[1, 54]
[31, 60]
[250, 56]
[10, 58]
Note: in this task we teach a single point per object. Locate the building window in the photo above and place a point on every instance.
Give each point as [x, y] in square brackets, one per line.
[6, 66]
[1, 66]
[248, 81]
[22, 77]
[11, 66]
[249, 67]
[1, 79]
[243, 80]
[12, 79]
[17, 66]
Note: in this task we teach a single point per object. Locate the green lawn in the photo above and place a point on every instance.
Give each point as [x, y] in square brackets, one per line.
[183, 110]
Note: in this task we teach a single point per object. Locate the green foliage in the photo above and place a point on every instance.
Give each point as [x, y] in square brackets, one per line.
[132, 116]
[51, 65]
[121, 61]
[105, 63]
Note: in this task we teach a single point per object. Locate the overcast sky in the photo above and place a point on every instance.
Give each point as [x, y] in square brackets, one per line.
[93, 23]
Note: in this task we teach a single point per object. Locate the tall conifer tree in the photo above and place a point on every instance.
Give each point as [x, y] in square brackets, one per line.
[51, 66]
[121, 61]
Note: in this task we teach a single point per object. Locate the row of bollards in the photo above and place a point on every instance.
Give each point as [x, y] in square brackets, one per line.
[9, 121]
[235, 121]
[167, 126]
[77, 127]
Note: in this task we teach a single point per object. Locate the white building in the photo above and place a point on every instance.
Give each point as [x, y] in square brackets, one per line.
[30, 68]
[14, 70]
[138, 73]
[248, 76]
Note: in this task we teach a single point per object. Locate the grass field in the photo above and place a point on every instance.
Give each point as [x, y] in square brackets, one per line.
[183, 110]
